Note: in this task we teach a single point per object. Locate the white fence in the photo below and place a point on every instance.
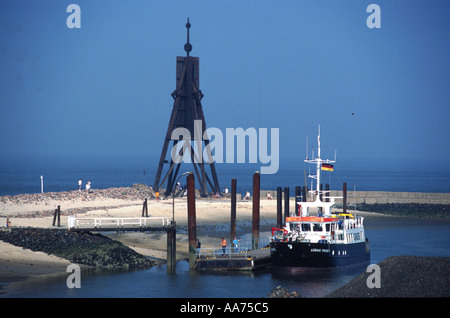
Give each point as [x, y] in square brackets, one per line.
[93, 223]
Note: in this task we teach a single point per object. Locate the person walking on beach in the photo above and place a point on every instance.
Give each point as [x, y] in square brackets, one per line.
[224, 246]
[80, 183]
[88, 186]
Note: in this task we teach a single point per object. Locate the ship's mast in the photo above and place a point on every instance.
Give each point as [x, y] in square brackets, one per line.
[318, 161]
[318, 167]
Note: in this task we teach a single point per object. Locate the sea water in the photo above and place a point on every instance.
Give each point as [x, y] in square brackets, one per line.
[23, 175]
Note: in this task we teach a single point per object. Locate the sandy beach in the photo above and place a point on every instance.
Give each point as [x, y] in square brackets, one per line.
[37, 211]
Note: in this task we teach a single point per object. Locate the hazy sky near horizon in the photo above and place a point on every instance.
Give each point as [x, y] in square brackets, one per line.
[104, 89]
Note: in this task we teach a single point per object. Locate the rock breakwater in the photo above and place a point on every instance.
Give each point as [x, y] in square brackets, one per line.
[84, 248]
[123, 193]
[281, 292]
[44, 203]
[408, 209]
[403, 276]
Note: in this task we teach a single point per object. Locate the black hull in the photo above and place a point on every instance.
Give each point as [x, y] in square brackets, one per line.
[300, 255]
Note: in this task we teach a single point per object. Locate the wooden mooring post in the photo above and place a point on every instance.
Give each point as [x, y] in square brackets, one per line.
[286, 202]
[145, 209]
[256, 205]
[304, 194]
[192, 225]
[57, 216]
[233, 210]
[297, 199]
[279, 207]
[171, 248]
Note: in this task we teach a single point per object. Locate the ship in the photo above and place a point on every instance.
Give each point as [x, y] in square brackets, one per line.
[316, 236]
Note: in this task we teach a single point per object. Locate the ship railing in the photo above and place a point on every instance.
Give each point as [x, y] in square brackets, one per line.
[354, 223]
[313, 238]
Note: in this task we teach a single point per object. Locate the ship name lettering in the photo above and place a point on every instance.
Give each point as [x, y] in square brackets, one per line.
[320, 250]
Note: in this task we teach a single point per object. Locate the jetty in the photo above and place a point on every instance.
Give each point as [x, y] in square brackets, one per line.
[243, 258]
[244, 261]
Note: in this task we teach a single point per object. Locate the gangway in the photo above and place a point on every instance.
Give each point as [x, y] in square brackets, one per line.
[244, 258]
[118, 224]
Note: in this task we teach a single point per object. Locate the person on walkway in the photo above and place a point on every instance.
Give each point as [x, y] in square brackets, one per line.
[80, 182]
[199, 245]
[224, 246]
[235, 244]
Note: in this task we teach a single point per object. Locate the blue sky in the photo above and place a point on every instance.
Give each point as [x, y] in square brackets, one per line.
[104, 89]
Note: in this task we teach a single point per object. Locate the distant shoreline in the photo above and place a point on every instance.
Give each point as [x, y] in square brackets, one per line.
[74, 201]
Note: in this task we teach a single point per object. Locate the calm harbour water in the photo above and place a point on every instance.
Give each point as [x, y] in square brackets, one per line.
[394, 237]
[427, 238]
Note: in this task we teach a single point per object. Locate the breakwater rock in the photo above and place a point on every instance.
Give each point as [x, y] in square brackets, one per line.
[408, 209]
[402, 276]
[44, 204]
[85, 248]
[281, 292]
[137, 192]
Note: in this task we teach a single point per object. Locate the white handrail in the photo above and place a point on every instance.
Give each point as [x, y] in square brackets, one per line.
[75, 222]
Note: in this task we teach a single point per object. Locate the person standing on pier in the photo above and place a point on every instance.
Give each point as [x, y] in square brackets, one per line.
[199, 245]
[224, 246]
[80, 182]
[235, 243]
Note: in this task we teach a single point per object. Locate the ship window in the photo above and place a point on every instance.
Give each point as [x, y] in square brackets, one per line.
[317, 227]
[306, 227]
[327, 227]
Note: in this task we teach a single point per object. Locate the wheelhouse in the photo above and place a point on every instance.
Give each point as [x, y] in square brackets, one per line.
[340, 228]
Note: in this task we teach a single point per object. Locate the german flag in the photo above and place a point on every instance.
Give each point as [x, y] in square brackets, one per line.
[327, 167]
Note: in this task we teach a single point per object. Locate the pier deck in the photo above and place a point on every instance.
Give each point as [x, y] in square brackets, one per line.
[245, 261]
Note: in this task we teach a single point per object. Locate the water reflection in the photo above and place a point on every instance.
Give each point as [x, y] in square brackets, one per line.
[317, 283]
[155, 283]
